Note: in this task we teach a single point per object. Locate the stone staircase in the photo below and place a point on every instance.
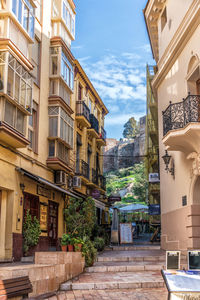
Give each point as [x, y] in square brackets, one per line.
[138, 267]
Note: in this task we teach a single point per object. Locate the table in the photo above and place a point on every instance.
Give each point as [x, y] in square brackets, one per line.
[182, 284]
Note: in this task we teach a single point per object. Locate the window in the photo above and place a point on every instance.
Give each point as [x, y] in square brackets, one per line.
[163, 19]
[58, 118]
[19, 81]
[62, 152]
[24, 8]
[68, 17]
[79, 92]
[33, 129]
[14, 117]
[67, 71]
[36, 60]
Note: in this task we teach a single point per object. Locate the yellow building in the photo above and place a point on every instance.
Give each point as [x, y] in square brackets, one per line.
[151, 143]
[174, 29]
[37, 120]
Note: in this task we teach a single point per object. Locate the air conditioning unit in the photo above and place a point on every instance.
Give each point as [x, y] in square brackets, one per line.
[76, 182]
[60, 177]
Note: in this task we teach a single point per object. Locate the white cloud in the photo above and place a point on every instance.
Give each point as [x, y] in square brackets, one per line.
[112, 120]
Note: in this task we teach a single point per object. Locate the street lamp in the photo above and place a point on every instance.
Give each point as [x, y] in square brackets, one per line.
[167, 159]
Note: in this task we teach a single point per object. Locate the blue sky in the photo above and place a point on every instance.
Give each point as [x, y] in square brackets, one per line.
[112, 46]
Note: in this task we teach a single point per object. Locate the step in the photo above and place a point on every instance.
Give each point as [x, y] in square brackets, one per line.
[136, 247]
[115, 280]
[125, 267]
[130, 258]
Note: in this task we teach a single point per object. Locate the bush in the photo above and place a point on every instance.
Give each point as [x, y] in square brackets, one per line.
[88, 251]
[31, 232]
[99, 243]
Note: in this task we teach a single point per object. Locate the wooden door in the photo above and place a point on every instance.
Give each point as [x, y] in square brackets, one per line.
[53, 223]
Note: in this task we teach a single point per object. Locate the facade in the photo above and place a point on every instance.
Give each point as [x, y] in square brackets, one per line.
[174, 40]
[37, 120]
[151, 143]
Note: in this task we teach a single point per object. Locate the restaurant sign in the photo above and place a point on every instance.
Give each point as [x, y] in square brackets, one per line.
[43, 191]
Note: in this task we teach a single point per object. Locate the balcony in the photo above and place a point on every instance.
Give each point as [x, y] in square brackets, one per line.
[12, 137]
[102, 139]
[153, 132]
[102, 182]
[82, 169]
[82, 113]
[59, 157]
[94, 129]
[181, 125]
[95, 177]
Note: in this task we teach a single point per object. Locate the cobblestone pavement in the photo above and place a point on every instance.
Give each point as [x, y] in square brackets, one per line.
[123, 294]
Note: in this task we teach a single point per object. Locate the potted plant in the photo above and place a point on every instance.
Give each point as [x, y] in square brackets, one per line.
[64, 242]
[77, 242]
[31, 232]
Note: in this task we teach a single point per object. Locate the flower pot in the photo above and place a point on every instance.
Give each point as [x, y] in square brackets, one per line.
[78, 247]
[64, 248]
[70, 248]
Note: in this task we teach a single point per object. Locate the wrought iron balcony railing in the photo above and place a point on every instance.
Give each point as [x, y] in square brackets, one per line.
[94, 123]
[95, 176]
[103, 133]
[82, 168]
[102, 182]
[82, 110]
[178, 115]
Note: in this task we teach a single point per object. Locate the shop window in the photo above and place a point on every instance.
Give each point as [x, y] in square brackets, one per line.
[163, 19]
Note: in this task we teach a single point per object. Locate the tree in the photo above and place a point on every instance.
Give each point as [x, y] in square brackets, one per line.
[131, 128]
[140, 185]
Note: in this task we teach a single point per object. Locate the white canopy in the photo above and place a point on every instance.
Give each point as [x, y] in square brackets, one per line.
[133, 207]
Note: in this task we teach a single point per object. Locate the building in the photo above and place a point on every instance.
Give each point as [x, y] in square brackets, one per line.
[174, 28]
[90, 137]
[38, 130]
[151, 144]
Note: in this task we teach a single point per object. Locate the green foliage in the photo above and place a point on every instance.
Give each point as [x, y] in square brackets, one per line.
[99, 243]
[31, 232]
[80, 217]
[131, 128]
[88, 251]
[140, 185]
[66, 239]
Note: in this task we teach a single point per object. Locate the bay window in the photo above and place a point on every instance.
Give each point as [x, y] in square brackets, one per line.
[59, 150]
[24, 8]
[18, 83]
[68, 17]
[58, 88]
[61, 66]
[61, 125]
[14, 117]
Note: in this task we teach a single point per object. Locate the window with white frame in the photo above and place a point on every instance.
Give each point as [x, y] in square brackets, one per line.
[18, 84]
[14, 117]
[67, 71]
[24, 12]
[33, 128]
[68, 17]
[61, 125]
[59, 150]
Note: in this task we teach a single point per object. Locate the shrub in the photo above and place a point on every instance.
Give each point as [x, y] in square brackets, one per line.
[99, 243]
[31, 232]
[88, 251]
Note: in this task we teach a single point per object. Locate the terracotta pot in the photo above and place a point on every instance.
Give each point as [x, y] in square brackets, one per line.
[70, 248]
[78, 247]
[64, 248]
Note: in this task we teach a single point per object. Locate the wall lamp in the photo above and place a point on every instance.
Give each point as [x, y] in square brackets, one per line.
[167, 159]
[22, 187]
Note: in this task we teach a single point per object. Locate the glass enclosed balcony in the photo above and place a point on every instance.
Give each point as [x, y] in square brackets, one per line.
[61, 126]
[181, 125]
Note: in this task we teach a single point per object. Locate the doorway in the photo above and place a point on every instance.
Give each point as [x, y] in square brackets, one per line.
[31, 203]
[53, 225]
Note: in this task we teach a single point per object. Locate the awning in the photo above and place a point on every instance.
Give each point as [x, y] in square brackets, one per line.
[46, 182]
[99, 204]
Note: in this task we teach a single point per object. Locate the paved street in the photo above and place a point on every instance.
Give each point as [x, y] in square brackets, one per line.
[132, 274]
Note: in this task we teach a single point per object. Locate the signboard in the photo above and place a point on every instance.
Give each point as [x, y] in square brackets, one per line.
[43, 216]
[173, 260]
[126, 235]
[154, 209]
[194, 260]
[43, 191]
[182, 284]
[154, 177]
[114, 199]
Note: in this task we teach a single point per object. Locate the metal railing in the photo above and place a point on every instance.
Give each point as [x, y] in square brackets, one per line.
[95, 176]
[178, 115]
[82, 110]
[102, 182]
[103, 133]
[82, 168]
[94, 123]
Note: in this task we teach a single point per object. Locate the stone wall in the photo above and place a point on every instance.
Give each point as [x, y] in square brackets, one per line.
[126, 152]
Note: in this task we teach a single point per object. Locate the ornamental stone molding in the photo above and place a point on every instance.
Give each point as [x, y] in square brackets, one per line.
[196, 163]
